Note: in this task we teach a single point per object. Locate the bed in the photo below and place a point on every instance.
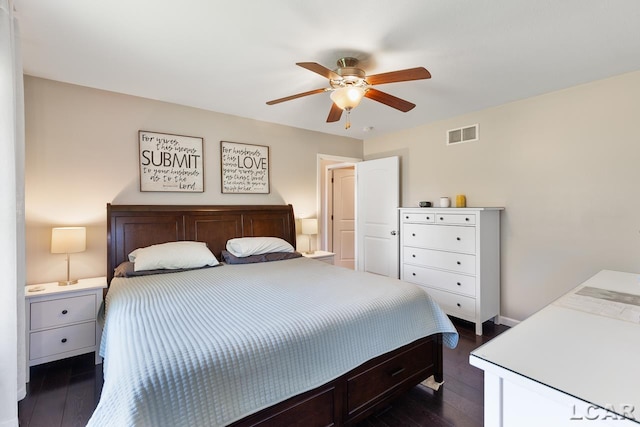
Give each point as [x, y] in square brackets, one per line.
[276, 343]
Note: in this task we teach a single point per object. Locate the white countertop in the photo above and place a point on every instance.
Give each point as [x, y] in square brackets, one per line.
[590, 356]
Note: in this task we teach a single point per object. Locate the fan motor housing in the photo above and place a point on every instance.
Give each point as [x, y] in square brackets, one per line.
[350, 73]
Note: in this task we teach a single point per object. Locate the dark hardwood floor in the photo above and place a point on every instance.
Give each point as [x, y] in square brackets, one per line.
[65, 393]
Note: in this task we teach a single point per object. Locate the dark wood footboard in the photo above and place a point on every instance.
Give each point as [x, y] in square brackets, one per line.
[360, 392]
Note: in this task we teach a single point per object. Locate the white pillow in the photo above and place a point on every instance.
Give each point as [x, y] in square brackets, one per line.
[172, 255]
[246, 246]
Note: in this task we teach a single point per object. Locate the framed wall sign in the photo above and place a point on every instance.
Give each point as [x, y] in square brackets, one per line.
[244, 168]
[170, 162]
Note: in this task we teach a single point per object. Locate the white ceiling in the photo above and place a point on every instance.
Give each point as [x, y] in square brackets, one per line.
[232, 56]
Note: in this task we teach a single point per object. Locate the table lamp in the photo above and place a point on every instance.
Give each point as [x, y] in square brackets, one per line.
[68, 240]
[309, 227]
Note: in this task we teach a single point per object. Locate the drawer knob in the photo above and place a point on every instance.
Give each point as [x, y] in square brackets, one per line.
[407, 217]
[441, 219]
[414, 255]
[413, 234]
[428, 217]
[63, 340]
[458, 304]
[458, 262]
[64, 311]
[458, 239]
[466, 219]
[459, 284]
[413, 274]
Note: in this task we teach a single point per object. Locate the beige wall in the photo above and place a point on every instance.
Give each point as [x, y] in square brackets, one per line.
[82, 153]
[566, 167]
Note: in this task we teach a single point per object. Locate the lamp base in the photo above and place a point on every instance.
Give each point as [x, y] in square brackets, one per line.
[68, 282]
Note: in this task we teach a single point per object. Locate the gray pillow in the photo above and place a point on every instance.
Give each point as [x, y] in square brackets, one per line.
[229, 258]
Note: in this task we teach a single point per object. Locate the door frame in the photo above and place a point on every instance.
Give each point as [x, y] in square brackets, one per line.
[323, 180]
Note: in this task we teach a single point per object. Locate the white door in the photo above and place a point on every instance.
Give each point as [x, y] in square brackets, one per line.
[344, 217]
[377, 202]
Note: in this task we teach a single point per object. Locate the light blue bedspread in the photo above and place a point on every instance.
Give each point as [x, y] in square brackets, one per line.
[208, 347]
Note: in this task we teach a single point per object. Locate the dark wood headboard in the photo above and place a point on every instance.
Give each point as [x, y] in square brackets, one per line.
[135, 226]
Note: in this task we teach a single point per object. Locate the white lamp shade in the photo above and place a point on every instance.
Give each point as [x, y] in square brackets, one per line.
[347, 97]
[309, 226]
[68, 240]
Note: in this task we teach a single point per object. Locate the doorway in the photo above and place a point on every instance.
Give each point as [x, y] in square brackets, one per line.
[362, 229]
[343, 246]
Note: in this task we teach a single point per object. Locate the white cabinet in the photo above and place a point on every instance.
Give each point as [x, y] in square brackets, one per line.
[454, 254]
[61, 320]
[323, 256]
[572, 364]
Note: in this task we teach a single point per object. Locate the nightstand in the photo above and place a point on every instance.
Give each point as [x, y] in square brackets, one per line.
[61, 320]
[323, 256]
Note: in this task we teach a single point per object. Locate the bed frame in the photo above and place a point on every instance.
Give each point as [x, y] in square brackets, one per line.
[344, 401]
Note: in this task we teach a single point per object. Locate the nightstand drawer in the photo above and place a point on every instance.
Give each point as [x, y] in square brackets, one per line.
[444, 280]
[60, 340]
[63, 311]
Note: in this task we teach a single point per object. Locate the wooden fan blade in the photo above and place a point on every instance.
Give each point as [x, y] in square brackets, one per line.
[417, 73]
[319, 69]
[299, 95]
[390, 100]
[334, 114]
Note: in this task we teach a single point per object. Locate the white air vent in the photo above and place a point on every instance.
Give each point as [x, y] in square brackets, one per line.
[460, 135]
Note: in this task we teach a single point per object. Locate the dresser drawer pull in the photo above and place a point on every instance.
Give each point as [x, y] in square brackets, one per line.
[64, 311]
[413, 274]
[466, 219]
[413, 234]
[63, 340]
[428, 217]
[458, 262]
[459, 284]
[458, 239]
[407, 217]
[397, 372]
[441, 219]
[414, 255]
[458, 304]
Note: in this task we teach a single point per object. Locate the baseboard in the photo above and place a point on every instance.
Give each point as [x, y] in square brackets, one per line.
[508, 321]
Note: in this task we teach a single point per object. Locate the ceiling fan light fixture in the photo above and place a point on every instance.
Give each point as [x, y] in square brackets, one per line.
[347, 97]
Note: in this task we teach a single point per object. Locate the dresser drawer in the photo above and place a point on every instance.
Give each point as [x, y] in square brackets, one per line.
[460, 263]
[444, 280]
[60, 340]
[378, 380]
[455, 219]
[427, 218]
[454, 304]
[62, 311]
[448, 238]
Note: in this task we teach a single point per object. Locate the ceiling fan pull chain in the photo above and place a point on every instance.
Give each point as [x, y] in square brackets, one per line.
[347, 124]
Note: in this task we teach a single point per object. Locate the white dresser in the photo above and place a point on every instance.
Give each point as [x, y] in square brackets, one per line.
[454, 254]
[61, 320]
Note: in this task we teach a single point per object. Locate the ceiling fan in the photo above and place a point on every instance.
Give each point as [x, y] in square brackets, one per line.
[349, 84]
